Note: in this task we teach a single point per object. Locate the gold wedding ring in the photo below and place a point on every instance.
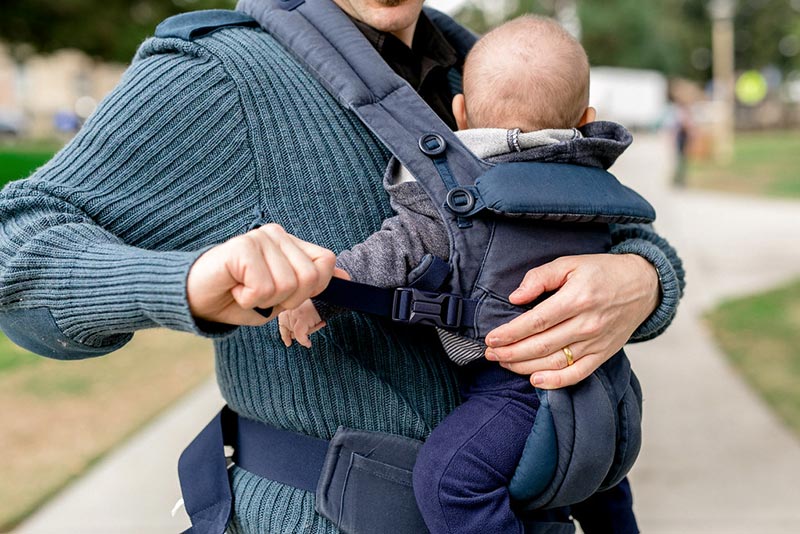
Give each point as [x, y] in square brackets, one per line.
[569, 355]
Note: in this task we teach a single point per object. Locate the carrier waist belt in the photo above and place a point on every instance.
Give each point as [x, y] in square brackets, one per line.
[354, 463]
[361, 479]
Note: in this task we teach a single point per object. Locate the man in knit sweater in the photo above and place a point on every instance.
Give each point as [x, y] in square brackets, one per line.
[528, 105]
[135, 222]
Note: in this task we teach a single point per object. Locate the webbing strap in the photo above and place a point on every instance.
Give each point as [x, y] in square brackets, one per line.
[203, 474]
[402, 305]
[359, 297]
[444, 172]
[287, 457]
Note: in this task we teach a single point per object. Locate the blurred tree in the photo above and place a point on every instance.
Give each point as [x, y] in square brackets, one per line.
[768, 34]
[107, 29]
[672, 36]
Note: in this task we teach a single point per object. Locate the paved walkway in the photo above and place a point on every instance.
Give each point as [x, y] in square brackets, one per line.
[714, 459]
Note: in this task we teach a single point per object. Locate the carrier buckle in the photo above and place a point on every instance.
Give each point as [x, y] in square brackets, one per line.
[414, 306]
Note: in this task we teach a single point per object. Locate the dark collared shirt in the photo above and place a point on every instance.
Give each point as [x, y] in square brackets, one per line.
[424, 66]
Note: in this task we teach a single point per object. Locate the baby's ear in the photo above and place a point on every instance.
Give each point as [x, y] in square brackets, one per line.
[588, 116]
[460, 111]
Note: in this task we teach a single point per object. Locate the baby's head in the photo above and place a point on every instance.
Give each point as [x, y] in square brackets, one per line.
[529, 74]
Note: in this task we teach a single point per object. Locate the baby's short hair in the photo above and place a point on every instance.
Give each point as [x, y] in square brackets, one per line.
[528, 73]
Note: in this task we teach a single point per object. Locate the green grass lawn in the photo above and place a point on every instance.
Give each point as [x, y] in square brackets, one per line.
[764, 163]
[60, 417]
[761, 336]
[20, 160]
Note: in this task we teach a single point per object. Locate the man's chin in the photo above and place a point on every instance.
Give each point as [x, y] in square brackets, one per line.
[393, 15]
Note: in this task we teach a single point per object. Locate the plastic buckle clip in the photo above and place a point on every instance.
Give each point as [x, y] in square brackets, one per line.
[414, 306]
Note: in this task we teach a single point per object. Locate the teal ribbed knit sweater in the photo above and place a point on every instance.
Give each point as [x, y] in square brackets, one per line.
[200, 141]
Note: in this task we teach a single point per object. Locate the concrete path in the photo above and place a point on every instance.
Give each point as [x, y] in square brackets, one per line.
[133, 490]
[714, 459]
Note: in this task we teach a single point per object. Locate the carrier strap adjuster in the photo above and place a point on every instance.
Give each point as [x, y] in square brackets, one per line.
[414, 306]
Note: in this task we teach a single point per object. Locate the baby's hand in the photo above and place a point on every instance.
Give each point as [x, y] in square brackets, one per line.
[299, 323]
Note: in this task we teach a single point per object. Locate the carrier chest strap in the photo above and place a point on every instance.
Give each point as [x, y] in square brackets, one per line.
[406, 305]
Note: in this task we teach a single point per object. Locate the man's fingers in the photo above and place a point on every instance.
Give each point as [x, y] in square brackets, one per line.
[323, 259]
[305, 272]
[283, 274]
[569, 376]
[261, 269]
[555, 361]
[547, 277]
[313, 251]
[551, 312]
[256, 285]
[340, 273]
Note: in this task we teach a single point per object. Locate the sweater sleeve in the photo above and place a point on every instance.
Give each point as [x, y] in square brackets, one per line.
[92, 246]
[386, 257]
[641, 239]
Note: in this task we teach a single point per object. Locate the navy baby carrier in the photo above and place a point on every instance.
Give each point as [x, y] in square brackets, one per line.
[585, 437]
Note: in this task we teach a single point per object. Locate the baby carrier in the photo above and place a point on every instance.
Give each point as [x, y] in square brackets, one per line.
[585, 437]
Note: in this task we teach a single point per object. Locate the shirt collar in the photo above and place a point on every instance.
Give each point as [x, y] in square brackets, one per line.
[429, 45]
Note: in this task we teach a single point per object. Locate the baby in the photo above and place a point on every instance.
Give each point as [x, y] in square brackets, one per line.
[526, 93]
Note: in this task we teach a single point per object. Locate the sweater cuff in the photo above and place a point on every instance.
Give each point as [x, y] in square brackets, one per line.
[132, 288]
[662, 316]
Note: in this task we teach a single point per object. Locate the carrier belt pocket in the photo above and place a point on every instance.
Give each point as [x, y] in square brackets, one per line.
[365, 485]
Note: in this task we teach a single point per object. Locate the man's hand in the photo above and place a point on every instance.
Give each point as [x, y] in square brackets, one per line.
[263, 268]
[600, 300]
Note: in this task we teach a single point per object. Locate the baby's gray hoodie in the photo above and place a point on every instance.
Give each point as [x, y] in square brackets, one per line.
[386, 258]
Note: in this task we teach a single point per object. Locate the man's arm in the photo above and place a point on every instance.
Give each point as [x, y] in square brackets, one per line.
[642, 240]
[100, 241]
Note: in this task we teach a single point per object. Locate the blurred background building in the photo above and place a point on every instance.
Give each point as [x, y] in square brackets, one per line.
[49, 95]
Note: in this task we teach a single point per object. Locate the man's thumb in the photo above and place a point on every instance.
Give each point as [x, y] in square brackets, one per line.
[340, 273]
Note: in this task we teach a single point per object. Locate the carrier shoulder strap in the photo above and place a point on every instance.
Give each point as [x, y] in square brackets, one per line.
[335, 52]
[322, 37]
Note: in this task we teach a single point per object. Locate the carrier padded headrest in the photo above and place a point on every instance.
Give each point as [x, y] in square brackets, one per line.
[562, 192]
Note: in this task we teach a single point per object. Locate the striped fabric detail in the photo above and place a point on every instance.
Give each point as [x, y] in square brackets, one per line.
[461, 350]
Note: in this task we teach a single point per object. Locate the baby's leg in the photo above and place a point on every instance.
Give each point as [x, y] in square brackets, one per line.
[462, 472]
